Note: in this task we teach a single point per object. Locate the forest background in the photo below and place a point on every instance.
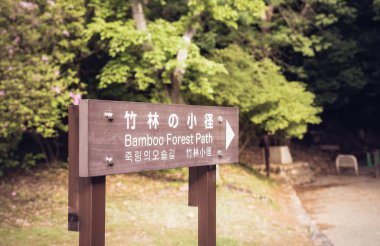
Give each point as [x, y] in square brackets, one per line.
[292, 67]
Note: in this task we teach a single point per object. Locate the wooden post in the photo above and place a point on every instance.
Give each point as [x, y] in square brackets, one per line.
[86, 195]
[206, 205]
[193, 186]
[202, 194]
[267, 155]
[92, 202]
[377, 163]
[98, 137]
[73, 178]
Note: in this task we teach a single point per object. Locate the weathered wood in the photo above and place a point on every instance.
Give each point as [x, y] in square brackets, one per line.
[267, 155]
[83, 138]
[100, 137]
[193, 187]
[92, 201]
[73, 177]
[114, 137]
[206, 206]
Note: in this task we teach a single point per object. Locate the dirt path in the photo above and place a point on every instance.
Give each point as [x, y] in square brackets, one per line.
[345, 208]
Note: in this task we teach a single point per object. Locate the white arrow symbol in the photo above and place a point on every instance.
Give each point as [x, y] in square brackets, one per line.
[229, 134]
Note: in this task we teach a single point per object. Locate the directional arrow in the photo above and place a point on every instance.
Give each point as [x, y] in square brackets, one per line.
[229, 134]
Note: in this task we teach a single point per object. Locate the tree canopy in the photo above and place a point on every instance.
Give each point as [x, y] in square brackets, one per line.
[39, 43]
[279, 61]
[190, 52]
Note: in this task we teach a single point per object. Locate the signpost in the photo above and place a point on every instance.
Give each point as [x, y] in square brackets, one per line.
[110, 137]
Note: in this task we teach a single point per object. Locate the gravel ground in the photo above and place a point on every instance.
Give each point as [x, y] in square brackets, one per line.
[346, 208]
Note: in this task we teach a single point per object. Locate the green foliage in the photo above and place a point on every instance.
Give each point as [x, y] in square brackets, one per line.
[228, 12]
[146, 59]
[319, 42]
[251, 54]
[152, 69]
[38, 46]
[376, 7]
[262, 92]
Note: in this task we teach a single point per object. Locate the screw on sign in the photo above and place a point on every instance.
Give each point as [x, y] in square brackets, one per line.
[110, 137]
[109, 160]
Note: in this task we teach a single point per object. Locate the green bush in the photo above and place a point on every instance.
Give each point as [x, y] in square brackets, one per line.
[39, 42]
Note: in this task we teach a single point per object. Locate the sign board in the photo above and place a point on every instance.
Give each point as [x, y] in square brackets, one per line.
[125, 137]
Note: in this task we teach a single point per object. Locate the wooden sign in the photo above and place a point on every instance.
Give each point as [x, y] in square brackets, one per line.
[124, 137]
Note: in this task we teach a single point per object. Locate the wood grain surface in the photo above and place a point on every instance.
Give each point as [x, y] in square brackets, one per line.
[180, 142]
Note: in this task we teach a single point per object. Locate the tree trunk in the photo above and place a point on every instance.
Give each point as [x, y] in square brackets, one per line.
[41, 145]
[267, 18]
[139, 18]
[179, 71]
[305, 9]
[138, 14]
[52, 158]
[265, 26]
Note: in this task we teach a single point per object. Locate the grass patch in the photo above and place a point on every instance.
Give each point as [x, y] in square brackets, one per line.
[149, 209]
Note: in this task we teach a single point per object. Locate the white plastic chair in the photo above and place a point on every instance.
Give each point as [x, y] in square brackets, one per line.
[346, 161]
